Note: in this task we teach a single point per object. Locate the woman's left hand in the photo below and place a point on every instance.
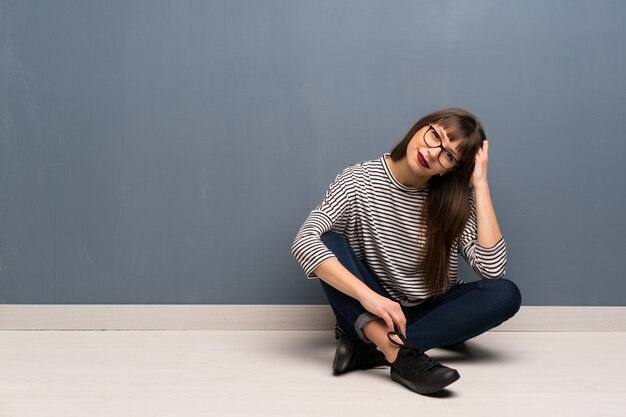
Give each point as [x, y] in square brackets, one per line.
[479, 176]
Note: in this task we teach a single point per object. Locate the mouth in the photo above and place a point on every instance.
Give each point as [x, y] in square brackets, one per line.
[422, 160]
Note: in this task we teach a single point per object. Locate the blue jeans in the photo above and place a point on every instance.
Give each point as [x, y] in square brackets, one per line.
[465, 311]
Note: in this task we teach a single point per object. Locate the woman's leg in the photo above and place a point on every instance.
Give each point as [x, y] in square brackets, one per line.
[349, 312]
[465, 311]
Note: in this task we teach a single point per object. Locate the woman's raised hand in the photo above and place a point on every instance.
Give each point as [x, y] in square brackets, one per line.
[386, 309]
[479, 175]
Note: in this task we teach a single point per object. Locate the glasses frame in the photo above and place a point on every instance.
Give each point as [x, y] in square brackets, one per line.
[430, 127]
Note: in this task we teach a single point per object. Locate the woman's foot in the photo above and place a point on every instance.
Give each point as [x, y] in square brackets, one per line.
[390, 350]
[354, 354]
[416, 370]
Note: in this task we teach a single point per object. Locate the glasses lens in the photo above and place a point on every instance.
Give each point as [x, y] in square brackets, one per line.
[431, 139]
[446, 159]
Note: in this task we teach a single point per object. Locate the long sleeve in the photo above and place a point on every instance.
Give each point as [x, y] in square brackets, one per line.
[488, 263]
[335, 209]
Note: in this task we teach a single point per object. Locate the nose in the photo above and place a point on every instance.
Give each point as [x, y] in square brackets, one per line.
[431, 155]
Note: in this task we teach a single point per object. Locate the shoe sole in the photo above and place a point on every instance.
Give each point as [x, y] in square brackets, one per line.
[420, 389]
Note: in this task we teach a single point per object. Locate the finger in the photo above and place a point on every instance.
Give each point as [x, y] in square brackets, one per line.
[403, 324]
[400, 319]
[400, 322]
[388, 322]
[402, 327]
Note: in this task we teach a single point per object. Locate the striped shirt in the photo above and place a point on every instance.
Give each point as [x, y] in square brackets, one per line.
[380, 218]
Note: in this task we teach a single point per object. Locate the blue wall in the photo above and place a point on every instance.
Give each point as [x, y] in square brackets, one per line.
[168, 151]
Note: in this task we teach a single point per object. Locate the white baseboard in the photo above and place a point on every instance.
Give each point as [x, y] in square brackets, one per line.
[268, 317]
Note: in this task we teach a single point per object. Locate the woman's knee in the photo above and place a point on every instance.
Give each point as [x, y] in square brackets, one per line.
[507, 294]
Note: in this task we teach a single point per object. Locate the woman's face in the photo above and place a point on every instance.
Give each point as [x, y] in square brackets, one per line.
[432, 163]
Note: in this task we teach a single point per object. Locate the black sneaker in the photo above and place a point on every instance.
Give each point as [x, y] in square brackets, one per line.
[417, 371]
[354, 354]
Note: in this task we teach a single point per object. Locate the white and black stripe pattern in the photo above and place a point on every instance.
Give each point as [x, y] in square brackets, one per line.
[380, 218]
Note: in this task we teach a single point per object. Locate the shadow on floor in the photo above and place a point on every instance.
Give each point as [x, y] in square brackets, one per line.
[470, 351]
[319, 347]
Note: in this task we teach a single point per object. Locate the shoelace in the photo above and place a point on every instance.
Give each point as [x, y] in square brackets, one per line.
[417, 359]
[338, 331]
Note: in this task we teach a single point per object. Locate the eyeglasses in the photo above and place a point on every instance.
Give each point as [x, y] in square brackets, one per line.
[432, 140]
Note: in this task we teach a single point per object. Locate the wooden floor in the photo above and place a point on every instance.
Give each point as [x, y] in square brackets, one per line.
[288, 373]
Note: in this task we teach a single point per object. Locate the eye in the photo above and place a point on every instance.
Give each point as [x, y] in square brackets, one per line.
[449, 156]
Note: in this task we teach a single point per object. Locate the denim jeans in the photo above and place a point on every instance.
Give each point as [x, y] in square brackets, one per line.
[464, 311]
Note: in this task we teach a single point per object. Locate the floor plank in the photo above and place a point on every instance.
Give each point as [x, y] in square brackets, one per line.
[287, 373]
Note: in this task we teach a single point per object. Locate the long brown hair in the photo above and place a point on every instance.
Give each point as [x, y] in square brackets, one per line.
[447, 206]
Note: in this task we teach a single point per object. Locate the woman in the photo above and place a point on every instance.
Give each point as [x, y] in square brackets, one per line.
[385, 242]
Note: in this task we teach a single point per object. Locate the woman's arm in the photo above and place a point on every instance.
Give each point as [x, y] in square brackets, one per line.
[487, 224]
[481, 243]
[336, 275]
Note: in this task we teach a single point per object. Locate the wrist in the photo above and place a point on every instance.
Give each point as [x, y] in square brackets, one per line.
[363, 293]
[482, 185]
